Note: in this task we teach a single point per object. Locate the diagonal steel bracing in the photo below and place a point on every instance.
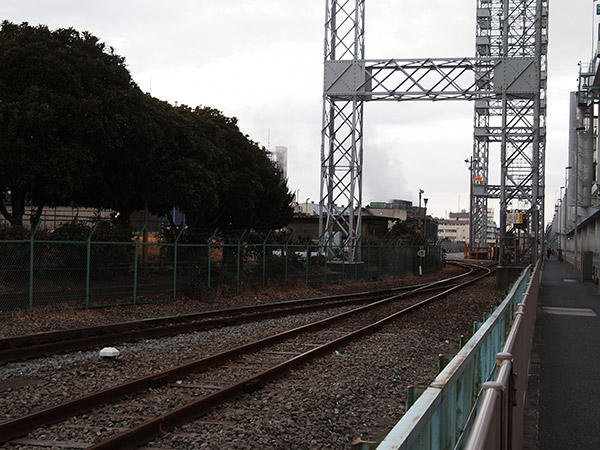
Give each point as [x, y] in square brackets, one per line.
[506, 81]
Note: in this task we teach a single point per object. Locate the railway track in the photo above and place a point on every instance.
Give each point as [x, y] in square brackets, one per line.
[48, 343]
[215, 378]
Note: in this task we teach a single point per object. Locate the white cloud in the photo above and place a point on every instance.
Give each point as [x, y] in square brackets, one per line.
[261, 61]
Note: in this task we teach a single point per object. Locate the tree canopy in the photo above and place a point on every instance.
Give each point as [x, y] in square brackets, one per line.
[406, 232]
[76, 129]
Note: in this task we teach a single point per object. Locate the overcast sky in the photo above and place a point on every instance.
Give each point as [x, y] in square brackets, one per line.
[262, 62]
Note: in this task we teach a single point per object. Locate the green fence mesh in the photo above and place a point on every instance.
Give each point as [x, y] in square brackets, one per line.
[52, 274]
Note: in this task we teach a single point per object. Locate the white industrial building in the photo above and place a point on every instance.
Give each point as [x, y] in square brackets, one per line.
[575, 227]
[456, 227]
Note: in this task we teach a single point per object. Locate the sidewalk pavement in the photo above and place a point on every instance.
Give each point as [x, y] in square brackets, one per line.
[569, 382]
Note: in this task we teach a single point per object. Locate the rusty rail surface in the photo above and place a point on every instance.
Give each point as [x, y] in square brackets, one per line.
[20, 426]
[52, 342]
[145, 432]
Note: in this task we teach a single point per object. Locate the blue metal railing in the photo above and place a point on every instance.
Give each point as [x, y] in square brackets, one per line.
[498, 423]
[442, 416]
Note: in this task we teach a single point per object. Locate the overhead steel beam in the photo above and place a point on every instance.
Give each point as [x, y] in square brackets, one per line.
[506, 81]
[431, 79]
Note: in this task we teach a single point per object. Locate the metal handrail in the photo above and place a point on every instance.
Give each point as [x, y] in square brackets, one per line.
[498, 423]
[442, 416]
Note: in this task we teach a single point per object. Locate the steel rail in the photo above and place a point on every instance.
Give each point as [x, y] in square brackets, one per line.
[20, 426]
[47, 343]
[150, 429]
[136, 333]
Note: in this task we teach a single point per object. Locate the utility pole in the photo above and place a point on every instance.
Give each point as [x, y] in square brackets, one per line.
[471, 162]
[425, 200]
[421, 191]
[560, 221]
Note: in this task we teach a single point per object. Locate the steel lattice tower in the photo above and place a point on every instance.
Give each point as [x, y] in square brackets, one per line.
[515, 32]
[342, 133]
[506, 80]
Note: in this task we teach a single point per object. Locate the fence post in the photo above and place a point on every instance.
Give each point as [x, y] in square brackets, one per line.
[368, 269]
[239, 257]
[307, 260]
[264, 274]
[88, 266]
[379, 263]
[401, 258]
[208, 275]
[326, 265]
[31, 264]
[342, 251]
[286, 256]
[175, 262]
[135, 264]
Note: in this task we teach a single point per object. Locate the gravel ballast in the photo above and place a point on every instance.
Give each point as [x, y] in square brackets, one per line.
[356, 392]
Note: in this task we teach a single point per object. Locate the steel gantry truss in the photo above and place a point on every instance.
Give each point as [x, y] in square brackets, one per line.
[506, 81]
[514, 123]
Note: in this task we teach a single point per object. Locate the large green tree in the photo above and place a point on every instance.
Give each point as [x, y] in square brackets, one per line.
[74, 128]
[405, 231]
[252, 192]
[61, 107]
[186, 169]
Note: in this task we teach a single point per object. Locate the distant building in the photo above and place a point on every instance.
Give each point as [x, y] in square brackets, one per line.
[396, 210]
[279, 156]
[381, 209]
[455, 228]
[54, 217]
[307, 227]
[401, 204]
[493, 230]
[307, 208]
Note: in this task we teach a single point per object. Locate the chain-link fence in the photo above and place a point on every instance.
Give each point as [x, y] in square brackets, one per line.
[42, 272]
